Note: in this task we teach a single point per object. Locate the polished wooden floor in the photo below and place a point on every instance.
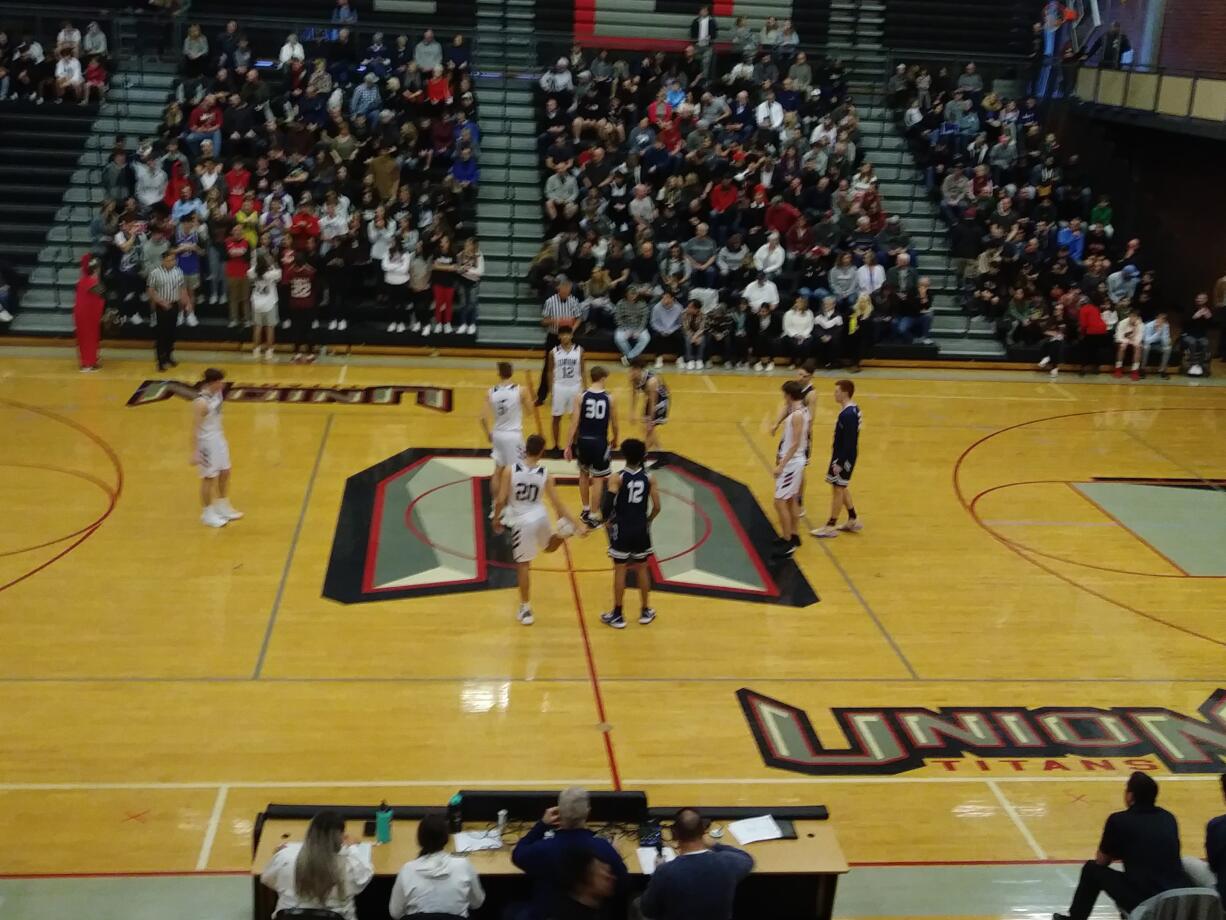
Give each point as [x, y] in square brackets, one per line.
[161, 682]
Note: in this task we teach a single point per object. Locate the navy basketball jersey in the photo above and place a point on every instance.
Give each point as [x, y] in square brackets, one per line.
[594, 411]
[630, 504]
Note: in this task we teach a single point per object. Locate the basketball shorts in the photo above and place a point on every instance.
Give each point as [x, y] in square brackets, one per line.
[660, 416]
[628, 545]
[214, 456]
[839, 472]
[594, 456]
[788, 483]
[529, 535]
[507, 447]
[564, 399]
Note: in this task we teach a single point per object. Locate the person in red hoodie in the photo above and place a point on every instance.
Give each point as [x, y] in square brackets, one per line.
[238, 180]
[303, 283]
[780, 216]
[1094, 337]
[723, 198]
[87, 312]
[304, 227]
[205, 124]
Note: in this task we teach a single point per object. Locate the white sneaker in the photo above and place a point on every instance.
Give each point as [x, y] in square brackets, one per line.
[314, 324]
[135, 320]
[660, 361]
[192, 321]
[702, 365]
[759, 367]
[181, 320]
[1055, 371]
[228, 511]
[1195, 370]
[769, 366]
[851, 526]
[824, 531]
[215, 299]
[525, 616]
[425, 330]
[256, 352]
[1045, 361]
[5, 316]
[625, 361]
[332, 325]
[284, 324]
[270, 356]
[415, 326]
[564, 528]
[447, 328]
[233, 324]
[391, 327]
[211, 518]
[401, 327]
[438, 327]
[342, 325]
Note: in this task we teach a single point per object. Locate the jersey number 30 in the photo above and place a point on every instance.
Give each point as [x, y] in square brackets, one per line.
[595, 408]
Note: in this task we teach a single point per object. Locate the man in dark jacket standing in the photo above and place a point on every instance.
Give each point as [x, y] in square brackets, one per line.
[700, 884]
[703, 32]
[1145, 838]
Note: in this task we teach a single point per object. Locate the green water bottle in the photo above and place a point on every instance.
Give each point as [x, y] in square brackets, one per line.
[383, 824]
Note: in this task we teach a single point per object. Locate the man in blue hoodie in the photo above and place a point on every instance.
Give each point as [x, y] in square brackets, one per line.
[540, 852]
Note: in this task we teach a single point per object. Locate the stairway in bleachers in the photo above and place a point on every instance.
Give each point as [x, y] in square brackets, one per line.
[51, 172]
[509, 197]
[857, 31]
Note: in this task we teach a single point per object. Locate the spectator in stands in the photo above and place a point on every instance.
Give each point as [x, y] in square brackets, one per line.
[558, 83]
[1157, 335]
[326, 871]
[542, 858]
[291, 51]
[798, 329]
[436, 882]
[665, 325]
[343, 13]
[86, 312]
[195, 51]
[428, 53]
[689, 888]
[704, 32]
[1145, 838]
[630, 333]
[587, 883]
[1196, 336]
[1129, 336]
[69, 80]
[94, 44]
[694, 335]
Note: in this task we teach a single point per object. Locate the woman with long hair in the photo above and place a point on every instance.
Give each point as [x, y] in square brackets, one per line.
[442, 283]
[435, 883]
[324, 871]
[87, 312]
[395, 265]
[264, 276]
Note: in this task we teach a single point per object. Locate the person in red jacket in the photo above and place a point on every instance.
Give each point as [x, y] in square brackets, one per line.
[87, 312]
[781, 216]
[238, 286]
[238, 180]
[723, 198]
[1094, 336]
[205, 124]
[304, 227]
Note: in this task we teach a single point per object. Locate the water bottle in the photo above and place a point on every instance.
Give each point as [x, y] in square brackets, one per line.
[455, 820]
[383, 824]
[502, 821]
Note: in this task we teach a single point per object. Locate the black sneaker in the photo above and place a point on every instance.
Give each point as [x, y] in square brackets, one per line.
[173, 363]
[786, 551]
[647, 616]
[614, 619]
[589, 520]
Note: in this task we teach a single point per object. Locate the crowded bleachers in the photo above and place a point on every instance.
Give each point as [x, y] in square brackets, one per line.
[721, 207]
[355, 157]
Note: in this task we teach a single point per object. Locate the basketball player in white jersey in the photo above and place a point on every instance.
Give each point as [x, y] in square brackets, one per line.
[804, 376]
[502, 419]
[790, 467]
[566, 363]
[522, 496]
[210, 452]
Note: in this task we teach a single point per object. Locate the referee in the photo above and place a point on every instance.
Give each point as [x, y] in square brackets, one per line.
[167, 293]
[562, 309]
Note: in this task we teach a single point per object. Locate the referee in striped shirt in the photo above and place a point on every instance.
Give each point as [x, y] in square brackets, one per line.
[562, 309]
[167, 292]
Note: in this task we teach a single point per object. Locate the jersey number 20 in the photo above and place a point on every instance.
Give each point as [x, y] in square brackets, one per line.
[527, 492]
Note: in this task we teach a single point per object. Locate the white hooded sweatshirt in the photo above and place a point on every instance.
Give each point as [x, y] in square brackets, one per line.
[436, 884]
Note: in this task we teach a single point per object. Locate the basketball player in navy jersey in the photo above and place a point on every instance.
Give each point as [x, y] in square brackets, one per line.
[522, 495]
[631, 503]
[655, 402]
[842, 463]
[804, 376]
[590, 419]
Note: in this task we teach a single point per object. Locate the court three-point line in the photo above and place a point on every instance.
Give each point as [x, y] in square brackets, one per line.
[293, 545]
[851, 585]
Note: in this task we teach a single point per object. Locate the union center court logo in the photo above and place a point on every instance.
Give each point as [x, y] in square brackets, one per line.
[418, 524]
[436, 398]
[880, 741]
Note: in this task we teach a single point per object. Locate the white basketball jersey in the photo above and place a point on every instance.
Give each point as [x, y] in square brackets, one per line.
[508, 412]
[789, 435]
[566, 366]
[210, 425]
[527, 490]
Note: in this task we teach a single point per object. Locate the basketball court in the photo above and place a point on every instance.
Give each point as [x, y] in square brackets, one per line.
[1033, 610]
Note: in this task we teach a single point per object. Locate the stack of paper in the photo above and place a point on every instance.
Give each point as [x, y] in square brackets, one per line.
[474, 841]
[649, 858]
[751, 830]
